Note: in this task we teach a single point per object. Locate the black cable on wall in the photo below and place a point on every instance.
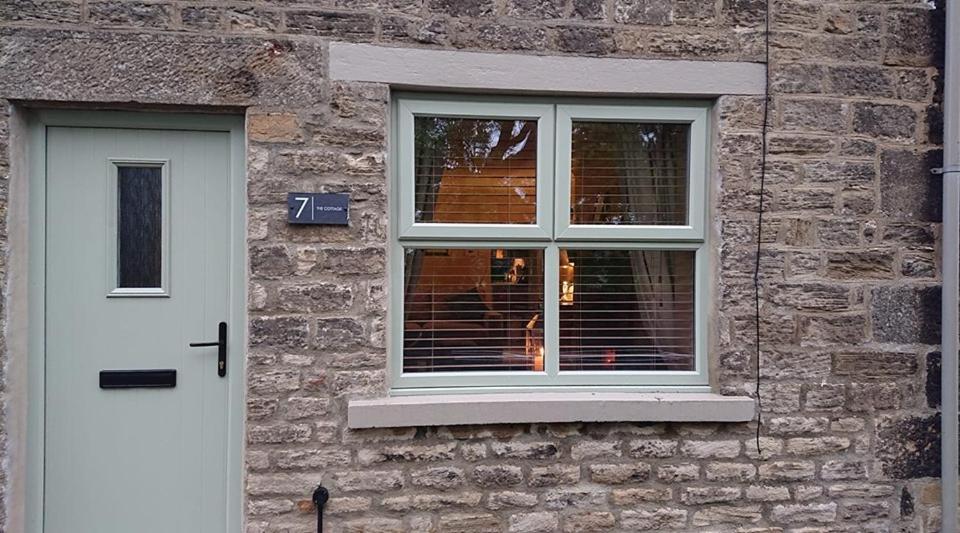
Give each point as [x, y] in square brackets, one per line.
[763, 177]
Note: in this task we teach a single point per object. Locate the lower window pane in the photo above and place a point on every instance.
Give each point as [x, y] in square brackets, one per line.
[472, 310]
[626, 310]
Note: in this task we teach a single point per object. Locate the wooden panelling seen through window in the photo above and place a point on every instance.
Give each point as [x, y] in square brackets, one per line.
[475, 171]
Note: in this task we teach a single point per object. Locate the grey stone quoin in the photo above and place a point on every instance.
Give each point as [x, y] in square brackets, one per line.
[850, 294]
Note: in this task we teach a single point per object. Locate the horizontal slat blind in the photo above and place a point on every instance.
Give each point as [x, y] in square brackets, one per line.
[473, 310]
[626, 310]
[628, 173]
[475, 171]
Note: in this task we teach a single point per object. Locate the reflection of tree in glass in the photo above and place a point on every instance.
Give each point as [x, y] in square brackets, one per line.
[470, 143]
[629, 173]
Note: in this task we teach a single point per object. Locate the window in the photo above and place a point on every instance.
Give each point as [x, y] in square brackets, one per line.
[548, 243]
[138, 246]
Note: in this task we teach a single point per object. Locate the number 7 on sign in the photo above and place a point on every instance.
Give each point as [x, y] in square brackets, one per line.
[303, 203]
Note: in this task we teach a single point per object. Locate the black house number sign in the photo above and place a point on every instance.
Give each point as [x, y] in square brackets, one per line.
[318, 208]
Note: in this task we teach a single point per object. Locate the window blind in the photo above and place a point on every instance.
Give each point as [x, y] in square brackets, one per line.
[626, 309]
[628, 173]
[473, 309]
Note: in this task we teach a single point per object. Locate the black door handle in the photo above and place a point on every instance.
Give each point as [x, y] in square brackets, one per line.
[221, 345]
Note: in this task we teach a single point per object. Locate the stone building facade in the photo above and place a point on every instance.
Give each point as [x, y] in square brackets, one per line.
[849, 284]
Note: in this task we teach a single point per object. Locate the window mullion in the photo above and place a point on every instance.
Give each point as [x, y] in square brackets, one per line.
[551, 309]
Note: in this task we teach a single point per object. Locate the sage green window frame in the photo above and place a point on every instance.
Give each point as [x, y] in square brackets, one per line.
[551, 233]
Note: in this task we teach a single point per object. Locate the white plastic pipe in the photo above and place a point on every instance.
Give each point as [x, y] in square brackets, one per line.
[951, 267]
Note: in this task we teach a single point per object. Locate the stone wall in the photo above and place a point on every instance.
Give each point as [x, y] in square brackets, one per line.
[850, 264]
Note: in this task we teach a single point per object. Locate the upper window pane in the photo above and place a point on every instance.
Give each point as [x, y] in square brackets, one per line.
[139, 227]
[478, 171]
[628, 173]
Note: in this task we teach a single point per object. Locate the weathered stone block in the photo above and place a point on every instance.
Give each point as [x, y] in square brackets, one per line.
[588, 522]
[908, 191]
[501, 500]
[553, 475]
[866, 397]
[875, 364]
[647, 12]
[273, 127]
[787, 471]
[342, 25]
[585, 40]
[818, 513]
[913, 36]
[885, 120]
[620, 473]
[730, 472]
[862, 80]
[40, 11]
[813, 115]
[536, 9]
[723, 449]
[909, 446]
[906, 314]
[591, 449]
[469, 523]
[838, 329]
[657, 519]
[542, 522]
[816, 445]
[726, 514]
[827, 396]
[574, 497]
[766, 493]
[708, 495]
[250, 19]
[279, 332]
[843, 470]
[497, 475]
[648, 448]
[630, 497]
[279, 434]
[130, 14]
[440, 478]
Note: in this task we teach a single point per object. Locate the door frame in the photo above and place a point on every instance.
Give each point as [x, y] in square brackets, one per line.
[38, 123]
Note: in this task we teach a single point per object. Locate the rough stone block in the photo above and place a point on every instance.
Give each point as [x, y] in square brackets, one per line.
[620, 473]
[908, 191]
[906, 314]
[897, 122]
[497, 475]
[909, 446]
[557, 474]
[820, 513]
[658, 519]
[588, 522]
[542, 522]
[874, 364]
[273, 127]
[469, 523]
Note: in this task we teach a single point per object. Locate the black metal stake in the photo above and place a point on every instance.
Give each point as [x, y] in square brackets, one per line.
[320, 497]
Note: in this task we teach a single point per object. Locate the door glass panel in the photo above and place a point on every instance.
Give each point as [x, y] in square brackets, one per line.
[626, 309]
[139, 226]
[626, 173]
[480, 171]
[473, 309]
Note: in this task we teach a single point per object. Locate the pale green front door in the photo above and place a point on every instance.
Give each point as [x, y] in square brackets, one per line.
[137, 266]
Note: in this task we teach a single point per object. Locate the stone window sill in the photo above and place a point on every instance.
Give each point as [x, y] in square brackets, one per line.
[545, 407]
